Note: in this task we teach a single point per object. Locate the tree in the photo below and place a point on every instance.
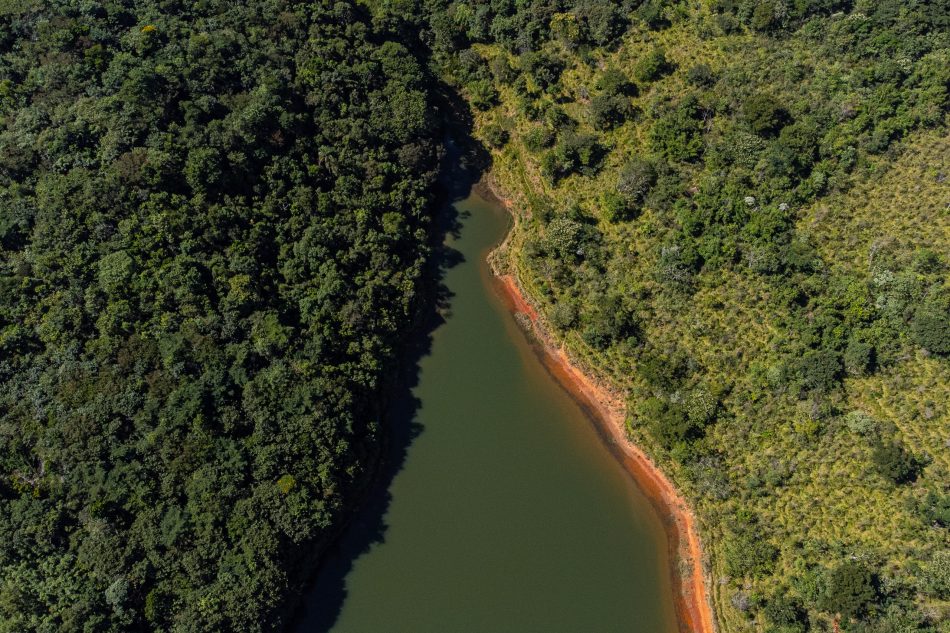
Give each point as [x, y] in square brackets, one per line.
[609, 111]
[896, 463]
[636, 179]
[931, 329]
[764, 115]
[652, 66]
[849, 589]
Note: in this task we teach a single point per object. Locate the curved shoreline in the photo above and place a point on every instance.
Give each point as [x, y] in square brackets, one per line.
[608, 412]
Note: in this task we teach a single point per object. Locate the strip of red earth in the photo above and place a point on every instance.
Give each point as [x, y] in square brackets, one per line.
[608, 411]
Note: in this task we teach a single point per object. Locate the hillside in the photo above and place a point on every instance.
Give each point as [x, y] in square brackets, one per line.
[214, 225]
[737, 214]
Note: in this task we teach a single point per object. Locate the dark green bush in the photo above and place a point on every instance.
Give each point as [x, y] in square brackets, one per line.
[764, 115]
[896, 463]
[849, 589]
[652, 66]
[931, 329]
[609, 111]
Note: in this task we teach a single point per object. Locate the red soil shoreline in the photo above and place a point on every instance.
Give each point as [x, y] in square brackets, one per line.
[608, 411]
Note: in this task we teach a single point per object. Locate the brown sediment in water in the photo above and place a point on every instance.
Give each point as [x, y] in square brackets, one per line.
[608, 411]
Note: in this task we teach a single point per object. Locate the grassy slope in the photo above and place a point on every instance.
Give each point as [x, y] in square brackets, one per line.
[828, 501]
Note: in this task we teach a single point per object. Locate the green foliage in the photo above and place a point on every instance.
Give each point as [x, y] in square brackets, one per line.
[574, 153]
[820, 369]
[495, 134]
[937, 575]
[677, 134]
[539, 138]
[635, 180]
[764, 115]
[609, 111]
[614, 81]
[935, 508]
[212, 238]
[896, 463]
[701, 75]
[849, 589]
[749, 553]
[652, 66]
[931, 329]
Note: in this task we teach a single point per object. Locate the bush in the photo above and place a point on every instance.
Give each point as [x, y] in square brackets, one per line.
[786, 612]
[482, 94]
[615, 82]
[677, 135]
[749, 554]
[895, 463]
[614, 207]
[539, 138]
[849, 589]
[820, 369]
[576, 153]
[495, 135]
[858, 357]
[937, 576]
[935, 509]
[652, 66]
[931, 330]
[609, 111]
[502, 70]
[764, 115]
[701, 75]
[636, 179]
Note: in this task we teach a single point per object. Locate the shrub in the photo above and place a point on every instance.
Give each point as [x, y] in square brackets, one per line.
[614, 207]
[849, 589]
[786, 612]
[937, 576]
[895, 463]
[482, 94]
[764, 115]
[820, 369]
[564, 315]
[575, 153]
[935, 509]
[931, 330]
[609, 111]
[749, 554]
[652, 66]
[614, 82]
[677, 135]
[502, 70]
[701, 75]
[495, 135]
[858, 357]
[636, 179]
[539, 138]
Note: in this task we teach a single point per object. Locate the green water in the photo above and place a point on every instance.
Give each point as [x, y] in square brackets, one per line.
[508, 513]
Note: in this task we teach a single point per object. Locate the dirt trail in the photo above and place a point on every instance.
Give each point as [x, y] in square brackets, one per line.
[608, 410]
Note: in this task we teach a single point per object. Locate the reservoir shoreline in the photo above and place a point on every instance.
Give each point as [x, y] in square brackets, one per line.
[607, 410]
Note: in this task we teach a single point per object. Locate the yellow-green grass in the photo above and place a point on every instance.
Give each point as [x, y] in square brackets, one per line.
[832, 502]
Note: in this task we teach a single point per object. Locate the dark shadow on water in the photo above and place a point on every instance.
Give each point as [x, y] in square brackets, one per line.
[322, 601]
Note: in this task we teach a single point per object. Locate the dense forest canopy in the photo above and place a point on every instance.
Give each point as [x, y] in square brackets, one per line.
[213, 225]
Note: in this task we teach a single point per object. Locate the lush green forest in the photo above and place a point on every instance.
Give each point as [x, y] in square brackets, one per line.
[736, 213]
[214, 224]
[215, 221]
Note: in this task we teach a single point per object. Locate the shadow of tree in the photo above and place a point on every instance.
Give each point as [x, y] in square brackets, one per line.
[463, 164]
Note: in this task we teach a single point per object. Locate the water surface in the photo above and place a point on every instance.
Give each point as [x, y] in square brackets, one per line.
[506, 513]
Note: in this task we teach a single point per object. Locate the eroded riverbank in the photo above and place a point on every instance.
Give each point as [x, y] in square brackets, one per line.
[607, 409]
